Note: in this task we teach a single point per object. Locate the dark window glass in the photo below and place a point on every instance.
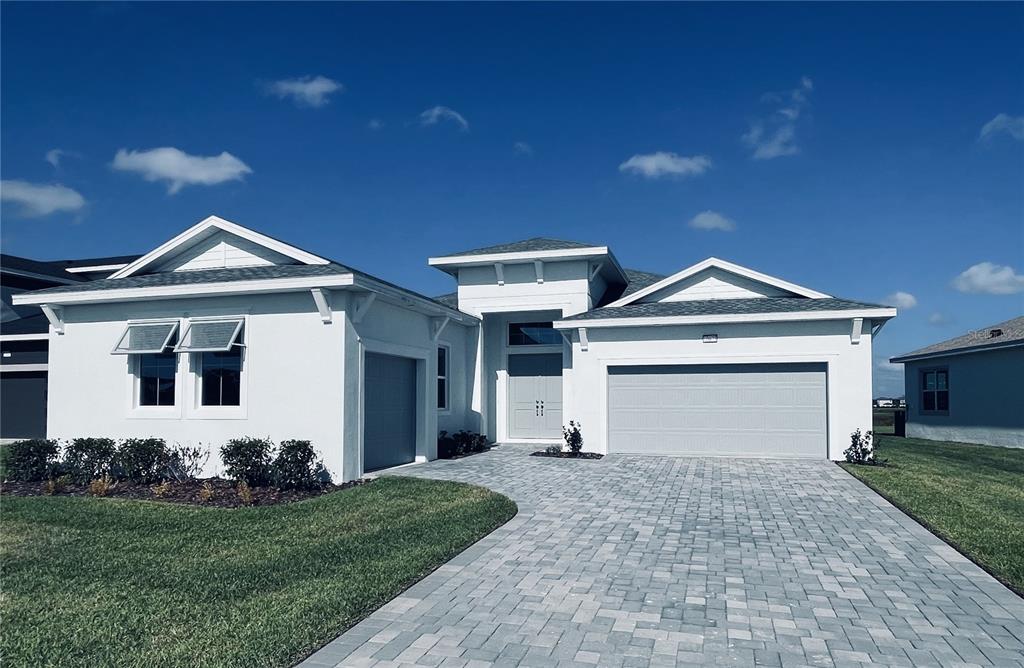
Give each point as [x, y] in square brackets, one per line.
[442, 393]
[442, 377]
[222, 378]
[929, 401]
[156, 379]
[935, 391]
[533, 334]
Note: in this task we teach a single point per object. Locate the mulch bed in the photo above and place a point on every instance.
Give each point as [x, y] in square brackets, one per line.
[567, 455]
[225, 492]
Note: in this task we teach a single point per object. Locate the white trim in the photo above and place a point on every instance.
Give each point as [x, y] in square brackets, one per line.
[518, 257]
[96, 268]
[25, 337]
[584, 341]
[226, 225]
[447, 380]
[595, 270]
[661, 321]
[363, 304]
[239, 320]
[725, 266]
[39, 277]
[173, 322]
[322, 299]
[858, 327]
[137, 411]
[437, 326]
[538, 268]
[499, 271]
[13, 368]
[55, 314]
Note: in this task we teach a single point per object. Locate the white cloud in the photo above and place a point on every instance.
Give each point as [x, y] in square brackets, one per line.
[901, 299]
[54, 156]
[375, 124]
[885, 366]
[180, 169]
[522, 148]
[990, 279]
[938, 319]
[308, 91]
[37, 199]
[663, 163]
[437, 114]
[1012, 125]
[712, 220]
[775, 136]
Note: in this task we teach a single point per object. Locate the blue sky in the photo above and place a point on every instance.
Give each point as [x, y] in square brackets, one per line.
[861, 150]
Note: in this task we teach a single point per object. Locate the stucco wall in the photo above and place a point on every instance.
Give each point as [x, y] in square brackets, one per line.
[849, 366]
[984, 399]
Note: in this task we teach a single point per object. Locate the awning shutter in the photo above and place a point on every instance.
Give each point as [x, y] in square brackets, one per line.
[210, 336]
[143, 338]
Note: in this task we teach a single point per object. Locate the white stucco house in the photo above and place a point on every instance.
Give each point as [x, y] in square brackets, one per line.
[223, 332]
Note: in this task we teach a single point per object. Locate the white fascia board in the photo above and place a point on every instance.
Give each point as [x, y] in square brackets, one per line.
[410, 299]
[725, 266]
[951, 353]
[226, 225]
[15, 368]
[518, 257]
[40, 277]
[186, 291]
[42, 336]
[663, 321]
[96, 268]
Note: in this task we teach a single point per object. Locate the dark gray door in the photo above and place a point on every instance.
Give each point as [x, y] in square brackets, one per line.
[766, 410]
[535, 395]
[389, 416]
[23, 404]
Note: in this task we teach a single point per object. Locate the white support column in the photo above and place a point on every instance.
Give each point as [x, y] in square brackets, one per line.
[858, 325]
[538, 267]
[584, 341]
[55, 314]
[499, 271]
[322, 298]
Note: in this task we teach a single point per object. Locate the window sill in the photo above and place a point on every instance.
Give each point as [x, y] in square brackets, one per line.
[155, 413]
[219, 413]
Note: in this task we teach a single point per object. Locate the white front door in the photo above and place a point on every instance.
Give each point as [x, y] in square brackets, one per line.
[535, 395]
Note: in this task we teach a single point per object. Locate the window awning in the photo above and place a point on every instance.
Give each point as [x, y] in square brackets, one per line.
[210, 336]
[150, 337]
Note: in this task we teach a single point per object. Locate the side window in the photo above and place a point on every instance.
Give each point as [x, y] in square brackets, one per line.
[533, 334]
[157, 373]
[442, 377]
[222, 378]
[935, 391]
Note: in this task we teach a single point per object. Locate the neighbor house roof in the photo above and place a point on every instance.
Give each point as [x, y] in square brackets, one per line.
[525, 246]
[724, 307]
[1001, 335]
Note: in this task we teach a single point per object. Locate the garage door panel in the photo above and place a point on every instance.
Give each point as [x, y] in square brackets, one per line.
[756, 410]
[389, 414]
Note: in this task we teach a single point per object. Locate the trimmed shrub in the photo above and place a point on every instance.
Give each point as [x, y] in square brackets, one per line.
[862, 450]
[297, 466]
[445, 445]
[248, 460]
[31, 460]
[141, 460]
[573, 437]
[553, 449]
[460, 444]
[89, 458]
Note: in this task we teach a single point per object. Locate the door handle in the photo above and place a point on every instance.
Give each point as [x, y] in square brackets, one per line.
[536, 408]
[542, 408]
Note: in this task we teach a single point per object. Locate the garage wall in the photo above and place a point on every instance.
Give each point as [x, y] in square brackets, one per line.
[849, 366]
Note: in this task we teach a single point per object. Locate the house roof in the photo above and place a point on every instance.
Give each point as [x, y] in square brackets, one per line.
[638, 280]
[713, 307]
[451, 299]
[1011, 333]
[525, 246]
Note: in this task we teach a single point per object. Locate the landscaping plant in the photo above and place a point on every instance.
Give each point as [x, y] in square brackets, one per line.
[140, 460]
[573, 437]
[248, 459]
[30, 460]
[88, 458]
[297, 466]
[862, 450]
[102, 486]
[185, 463]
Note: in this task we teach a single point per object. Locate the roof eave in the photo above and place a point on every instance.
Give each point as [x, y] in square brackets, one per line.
[725, 318]
[911, 357]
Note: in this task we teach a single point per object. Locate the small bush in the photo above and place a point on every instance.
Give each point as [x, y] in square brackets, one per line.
[89, 458]
[460, 443]
[244, 493]
[553, 449]
[161, 490]
[141, 460]
[573, 437]
[30, 460]
[445, 445]
[56, 485]
[205, 492]
[102, 486]
[297, 466]
[248, 459]
[862, 450]
[185, 463]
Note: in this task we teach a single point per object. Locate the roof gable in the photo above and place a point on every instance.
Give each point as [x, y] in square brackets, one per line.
[717, 279]
[217, 243]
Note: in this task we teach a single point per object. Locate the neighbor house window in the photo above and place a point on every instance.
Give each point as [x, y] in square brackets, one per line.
[217, 346]
[533, 334]
[935, 391]
[442, 377]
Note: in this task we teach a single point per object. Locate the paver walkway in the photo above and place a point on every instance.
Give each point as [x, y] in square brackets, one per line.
[660, 561]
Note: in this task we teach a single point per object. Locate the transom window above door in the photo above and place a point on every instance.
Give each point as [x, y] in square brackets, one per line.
[533, 334]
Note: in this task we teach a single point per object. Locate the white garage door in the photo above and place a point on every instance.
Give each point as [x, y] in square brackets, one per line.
[763, 410]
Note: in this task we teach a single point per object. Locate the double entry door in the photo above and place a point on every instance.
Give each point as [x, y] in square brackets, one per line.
[535, 395]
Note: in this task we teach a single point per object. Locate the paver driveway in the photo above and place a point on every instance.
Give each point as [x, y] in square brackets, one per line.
[636, 561]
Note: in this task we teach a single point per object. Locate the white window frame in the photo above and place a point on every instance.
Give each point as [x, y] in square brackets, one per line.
[447, 379]
[195, 360]
[134, 362]
[157, 321]
[192, 321]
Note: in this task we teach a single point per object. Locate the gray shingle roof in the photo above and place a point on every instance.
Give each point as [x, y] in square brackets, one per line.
[450, 300]
[525, 246]
[204, 276]
[1012, 331]
[722, 307]
[638, 280]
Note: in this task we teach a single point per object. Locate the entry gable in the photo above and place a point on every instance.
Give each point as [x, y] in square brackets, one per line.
[717, 279]
[215, 243]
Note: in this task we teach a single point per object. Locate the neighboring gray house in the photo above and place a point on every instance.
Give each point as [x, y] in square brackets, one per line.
[968, 388]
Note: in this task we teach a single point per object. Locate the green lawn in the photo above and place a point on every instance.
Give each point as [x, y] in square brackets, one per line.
[104, 582]
[972, 496]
